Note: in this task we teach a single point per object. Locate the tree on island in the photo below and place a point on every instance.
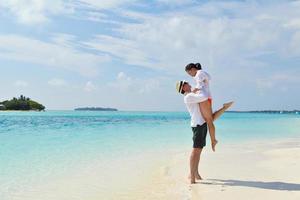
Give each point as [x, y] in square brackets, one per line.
[21, 103]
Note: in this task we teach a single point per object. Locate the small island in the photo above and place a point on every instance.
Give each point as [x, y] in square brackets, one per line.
[269, 111]
[21, 103]
[95, 109]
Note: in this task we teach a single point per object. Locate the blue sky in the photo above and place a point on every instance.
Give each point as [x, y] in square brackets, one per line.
[129, 54]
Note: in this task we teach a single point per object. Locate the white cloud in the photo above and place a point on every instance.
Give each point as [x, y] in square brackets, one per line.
[126, 50]
[63, 39]
[57, 82]
[151, 86]
[98, 17]
[278, 81]
[105, 4]
[127, 84]
[263, 85]
[122, 83]
[293, 23]
[34, 11]
[123, 77]
[21, 84]
[175, 2]
[19, 48]
[169, 41]
[294, 45]
[89, 86]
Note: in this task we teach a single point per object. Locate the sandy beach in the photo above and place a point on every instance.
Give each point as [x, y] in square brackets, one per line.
[253, 170]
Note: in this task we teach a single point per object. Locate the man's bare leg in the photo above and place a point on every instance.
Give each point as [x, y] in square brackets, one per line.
[194, 162]
[197, 174]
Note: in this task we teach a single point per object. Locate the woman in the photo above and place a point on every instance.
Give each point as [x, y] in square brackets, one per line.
[202, 79]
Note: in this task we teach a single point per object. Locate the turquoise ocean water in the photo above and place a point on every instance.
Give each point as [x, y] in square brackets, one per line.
[34, 145]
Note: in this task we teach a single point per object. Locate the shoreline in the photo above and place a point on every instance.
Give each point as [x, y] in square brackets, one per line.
[265, 169]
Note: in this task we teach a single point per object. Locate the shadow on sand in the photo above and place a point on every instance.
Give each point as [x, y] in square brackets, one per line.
[255, 184]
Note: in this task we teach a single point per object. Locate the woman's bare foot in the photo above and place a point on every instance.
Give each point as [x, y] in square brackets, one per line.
[213, 144]
[227, 105]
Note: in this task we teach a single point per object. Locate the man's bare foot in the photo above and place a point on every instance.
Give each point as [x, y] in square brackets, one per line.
[198, 177]
[192, 180]
[213, 144]
[227, 105]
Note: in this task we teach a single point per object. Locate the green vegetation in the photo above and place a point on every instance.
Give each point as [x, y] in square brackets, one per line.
[21, 103]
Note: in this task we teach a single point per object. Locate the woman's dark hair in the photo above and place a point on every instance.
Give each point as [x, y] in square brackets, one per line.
[193, 65]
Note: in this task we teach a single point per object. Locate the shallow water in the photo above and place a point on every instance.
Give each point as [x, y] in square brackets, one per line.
[40, 147]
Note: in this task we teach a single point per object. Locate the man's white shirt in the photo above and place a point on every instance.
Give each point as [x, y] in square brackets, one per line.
[192, 101]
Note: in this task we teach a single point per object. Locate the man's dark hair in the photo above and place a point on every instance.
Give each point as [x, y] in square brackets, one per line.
[193, 65]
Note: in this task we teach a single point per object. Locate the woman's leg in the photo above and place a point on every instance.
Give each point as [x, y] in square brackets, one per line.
[209, 117]
[206, 111]
[219, 112]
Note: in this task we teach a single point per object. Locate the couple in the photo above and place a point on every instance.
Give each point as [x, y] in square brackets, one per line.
[199, 104]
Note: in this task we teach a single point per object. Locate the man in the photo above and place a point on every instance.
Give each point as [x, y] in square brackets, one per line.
[199, 126]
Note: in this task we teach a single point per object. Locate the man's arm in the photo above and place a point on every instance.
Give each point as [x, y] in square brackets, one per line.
[195, 98]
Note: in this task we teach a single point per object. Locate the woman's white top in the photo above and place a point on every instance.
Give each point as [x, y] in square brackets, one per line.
[202, 79]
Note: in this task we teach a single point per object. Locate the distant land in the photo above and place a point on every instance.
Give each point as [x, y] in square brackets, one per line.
[269, 111]
[95, 109]
[22, 103]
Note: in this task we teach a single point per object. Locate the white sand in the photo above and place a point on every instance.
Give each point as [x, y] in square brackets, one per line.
[265, 170]
[268, 170]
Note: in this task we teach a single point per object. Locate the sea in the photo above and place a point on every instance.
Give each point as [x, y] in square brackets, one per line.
[81, 154]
